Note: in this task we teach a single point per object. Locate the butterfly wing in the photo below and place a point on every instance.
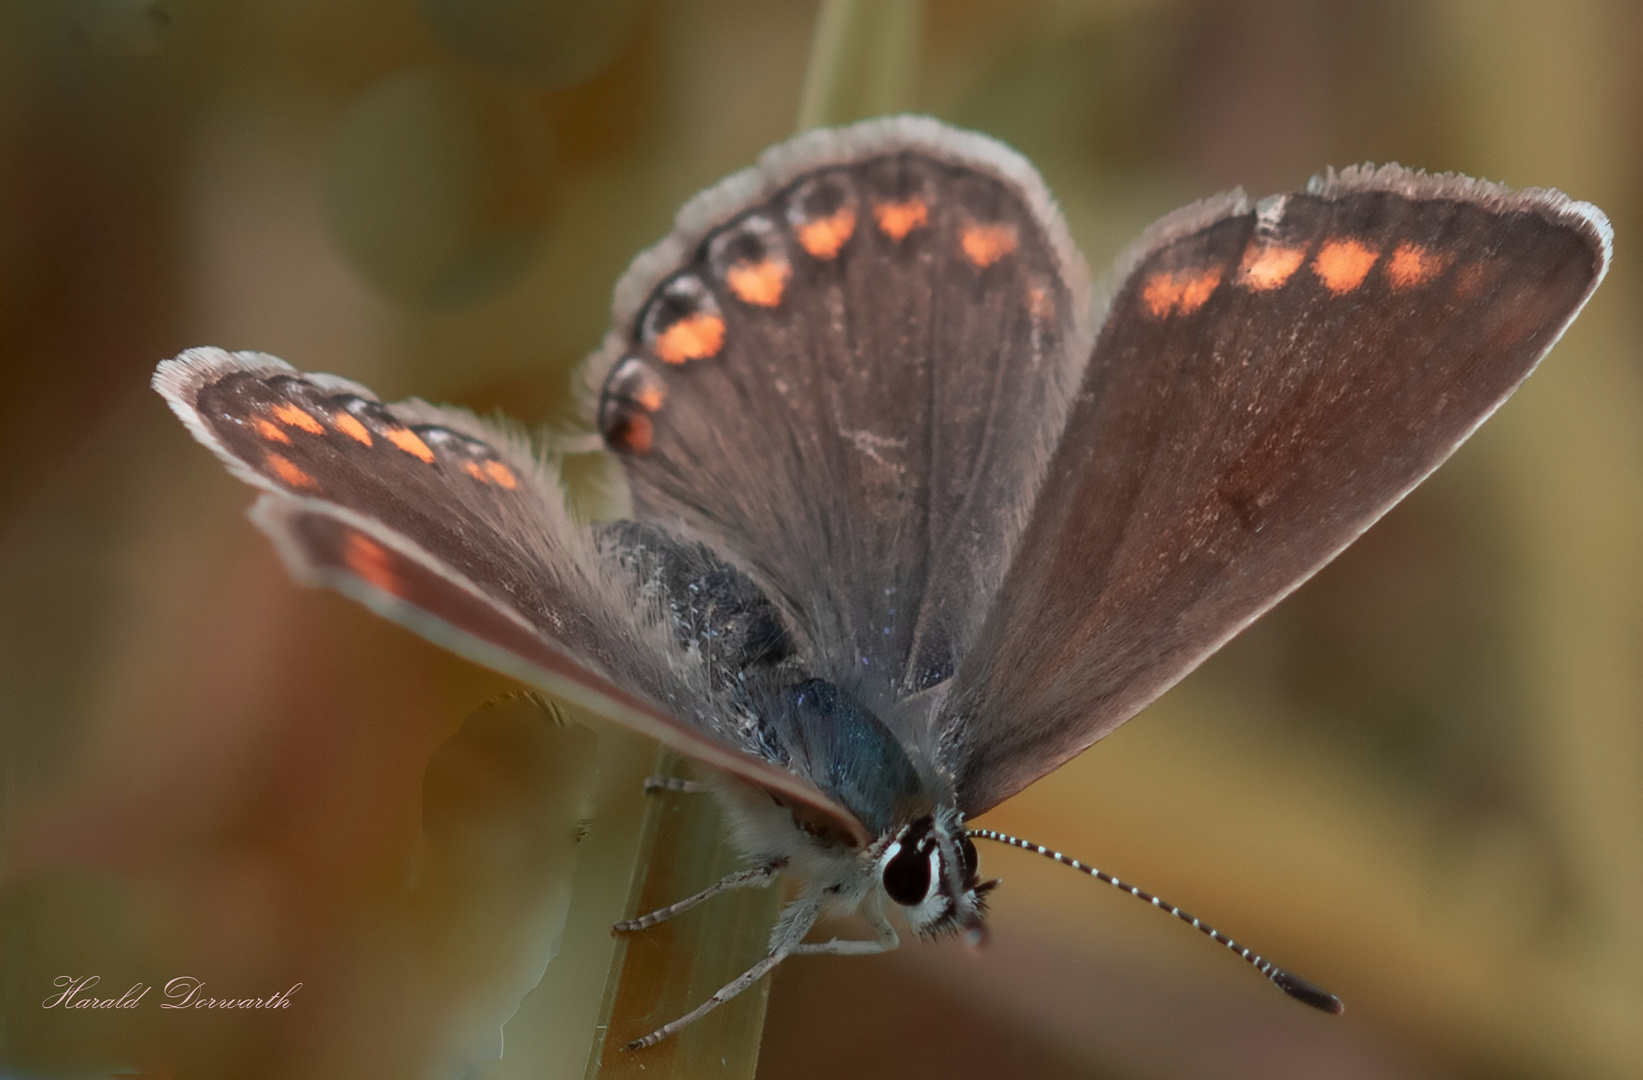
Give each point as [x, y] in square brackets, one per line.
[1269, 382]
[455, 530]
[846, 371]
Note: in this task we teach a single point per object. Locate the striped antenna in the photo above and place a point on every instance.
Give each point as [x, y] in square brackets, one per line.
[1290, 983]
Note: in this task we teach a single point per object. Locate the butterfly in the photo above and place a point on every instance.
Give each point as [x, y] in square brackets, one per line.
[911, 518]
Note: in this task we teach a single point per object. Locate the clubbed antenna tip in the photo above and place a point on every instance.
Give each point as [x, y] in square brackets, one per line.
[1301, 990]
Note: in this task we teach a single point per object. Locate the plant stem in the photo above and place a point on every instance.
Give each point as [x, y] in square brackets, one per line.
[863, 61]
[661, 973]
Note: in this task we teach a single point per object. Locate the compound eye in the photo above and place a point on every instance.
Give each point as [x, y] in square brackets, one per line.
[907, 876]
[967, 853]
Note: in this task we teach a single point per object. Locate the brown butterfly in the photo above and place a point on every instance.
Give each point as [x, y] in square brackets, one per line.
[912, 520]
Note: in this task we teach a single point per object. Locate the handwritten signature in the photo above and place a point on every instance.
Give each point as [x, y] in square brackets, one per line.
[183, 992]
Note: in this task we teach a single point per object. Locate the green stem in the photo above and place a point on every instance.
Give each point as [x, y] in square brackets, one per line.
[863, 61]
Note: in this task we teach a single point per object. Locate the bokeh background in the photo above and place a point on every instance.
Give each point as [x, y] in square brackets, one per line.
[1418, 782]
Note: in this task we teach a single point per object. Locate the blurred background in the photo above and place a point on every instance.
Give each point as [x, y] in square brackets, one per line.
[1418, 782]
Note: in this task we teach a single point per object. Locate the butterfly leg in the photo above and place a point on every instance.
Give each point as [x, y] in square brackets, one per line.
[795, 922]
[887, 940]
[673, 783]
[757, 876]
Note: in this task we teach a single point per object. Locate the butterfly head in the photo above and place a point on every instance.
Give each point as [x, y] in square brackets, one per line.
[929, 870]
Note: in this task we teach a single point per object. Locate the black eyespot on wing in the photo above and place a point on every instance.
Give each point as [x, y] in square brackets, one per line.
[907, 876]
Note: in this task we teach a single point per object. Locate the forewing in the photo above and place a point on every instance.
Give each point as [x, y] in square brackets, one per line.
[846, 371]
[1269, 381]
[454, 530]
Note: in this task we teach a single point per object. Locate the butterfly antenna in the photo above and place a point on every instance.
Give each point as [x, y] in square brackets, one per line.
[1290, 983]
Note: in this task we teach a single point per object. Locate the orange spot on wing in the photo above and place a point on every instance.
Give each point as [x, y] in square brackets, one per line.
[408, 441]
[371, 561]
[291, 416]
[1413, 265]
[1159, 294]
[1179, 293]
[353, 429]
[1343, 264]
[896, 220]
[270, 432]
[1269, 267]
[986, 244]
[824, 239]
[694, 337]
[1196, 289]
[289, 473]
[650, 397]
[759, 283]
[472, 469]
[1040, 304]
[503, 475]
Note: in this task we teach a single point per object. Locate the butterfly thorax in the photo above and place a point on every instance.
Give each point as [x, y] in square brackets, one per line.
[920, 857]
